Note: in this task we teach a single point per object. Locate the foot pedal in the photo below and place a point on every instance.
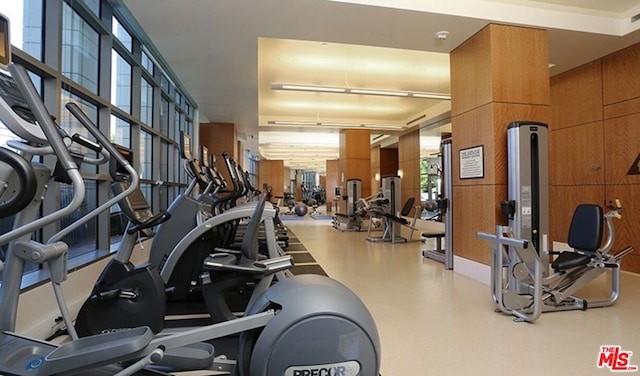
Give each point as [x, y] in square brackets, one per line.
[191, 357]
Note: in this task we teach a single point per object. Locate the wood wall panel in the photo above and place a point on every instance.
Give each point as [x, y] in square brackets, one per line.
[627, 227]
[519, 75]
[470, 66]
[356, 144]
[630, 107]
[576, 96]
[219, 138]
[620, 75]
[375, 168]
[578, 155]
[622, 145]
[476, 209]
[332, 181]
[409, 163]
[475, 128]
[355, 157]
[617, 145]
[389, 162]
[271, 172]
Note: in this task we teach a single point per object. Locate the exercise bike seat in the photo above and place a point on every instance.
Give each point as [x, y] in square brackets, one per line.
[585, 235]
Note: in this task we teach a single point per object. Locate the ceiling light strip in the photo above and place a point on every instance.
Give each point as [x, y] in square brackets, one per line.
[361, 91]
[331, 124]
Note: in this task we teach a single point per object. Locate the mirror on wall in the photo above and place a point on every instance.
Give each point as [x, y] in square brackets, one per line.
[430, 160]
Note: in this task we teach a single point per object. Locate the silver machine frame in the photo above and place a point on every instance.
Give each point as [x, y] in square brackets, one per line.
[391, 231]
[522, 284]
[351, 220]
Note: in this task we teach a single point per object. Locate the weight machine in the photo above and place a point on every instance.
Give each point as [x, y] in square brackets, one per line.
[523, 281]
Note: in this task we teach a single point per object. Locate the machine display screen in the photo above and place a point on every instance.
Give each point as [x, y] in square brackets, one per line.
[204, 155]
[185, 145]
[5, 44]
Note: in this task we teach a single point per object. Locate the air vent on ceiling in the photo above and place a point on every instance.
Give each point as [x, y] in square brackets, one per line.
[635, 18]
[416, 119]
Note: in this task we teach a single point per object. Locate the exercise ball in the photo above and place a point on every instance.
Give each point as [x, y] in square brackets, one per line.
[430, 205]
[301, 210]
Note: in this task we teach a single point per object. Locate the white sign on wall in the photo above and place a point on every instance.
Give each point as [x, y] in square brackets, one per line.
[472, 163]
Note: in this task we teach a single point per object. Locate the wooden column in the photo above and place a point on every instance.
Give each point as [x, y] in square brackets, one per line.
[384, 162]
[498, 76]
[409, 166]
[271, 172]
[332, 181]
[355, 158]
[219, 138]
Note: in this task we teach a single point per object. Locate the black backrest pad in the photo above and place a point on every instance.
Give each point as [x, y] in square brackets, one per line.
[406, 209]
[585, 232]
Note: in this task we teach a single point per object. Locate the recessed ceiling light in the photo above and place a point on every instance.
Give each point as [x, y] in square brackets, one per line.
[442, 35]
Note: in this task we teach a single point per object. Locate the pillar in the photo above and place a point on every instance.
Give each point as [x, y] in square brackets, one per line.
[409, 167]
[355, 158]
[272, 173]
[219, 138]
[499, 75]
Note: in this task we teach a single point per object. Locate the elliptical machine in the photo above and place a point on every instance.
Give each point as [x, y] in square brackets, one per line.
[304, 325]
[124, 293]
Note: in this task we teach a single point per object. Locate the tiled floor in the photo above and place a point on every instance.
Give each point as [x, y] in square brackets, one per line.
[437, 322]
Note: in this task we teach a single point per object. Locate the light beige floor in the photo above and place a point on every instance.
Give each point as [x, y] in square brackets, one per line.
[437, 322]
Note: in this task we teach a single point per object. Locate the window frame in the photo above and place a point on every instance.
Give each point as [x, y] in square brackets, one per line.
[53, 82]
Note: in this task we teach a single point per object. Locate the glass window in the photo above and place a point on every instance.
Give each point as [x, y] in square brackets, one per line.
[146, 155]
[120, 131]
[164, 197]
[69, 123]
[83, 239]
[5, 133]
[146, 102]
[80, 49]
[178, 171]
[79, 32]
[147, 192]
[188, 127]
[164, 161]
[26, 24]
[164, 83]
[120, 82]
[164, 115]
[93, 5]
[121, 33]
[177, 117]
[146, 62]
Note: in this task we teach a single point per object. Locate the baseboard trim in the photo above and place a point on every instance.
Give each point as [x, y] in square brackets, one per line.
[472, 269]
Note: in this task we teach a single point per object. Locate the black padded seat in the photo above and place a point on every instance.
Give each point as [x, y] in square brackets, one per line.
[585, 235]
[568, 260]
[397, 219]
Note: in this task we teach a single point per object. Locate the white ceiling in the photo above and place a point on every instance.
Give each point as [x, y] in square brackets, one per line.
[229, 52]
